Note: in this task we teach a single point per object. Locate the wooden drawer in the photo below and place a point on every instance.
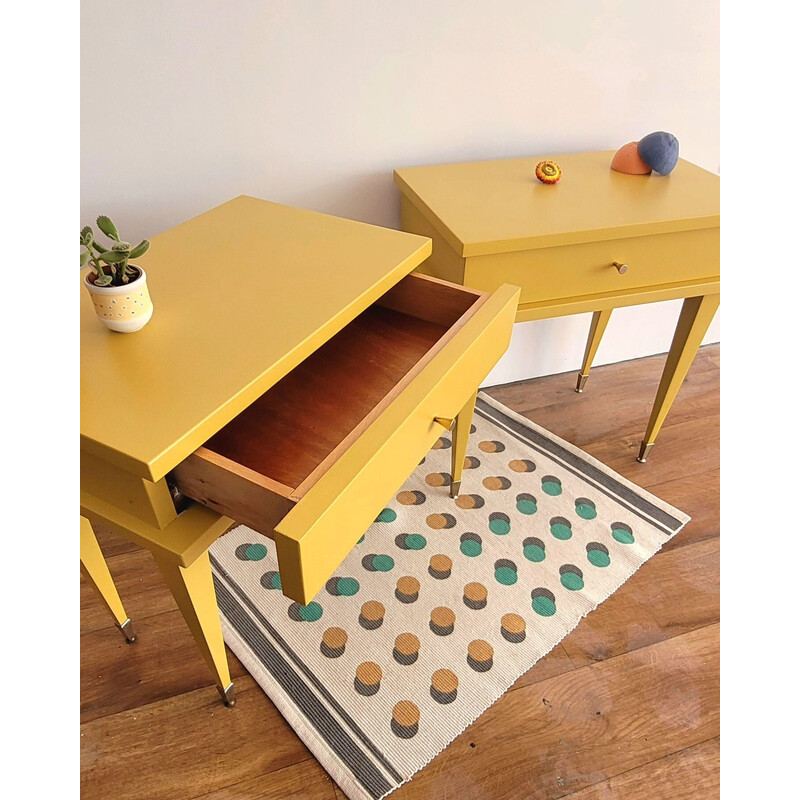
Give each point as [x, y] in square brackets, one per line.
[586, 269]
[313, 461]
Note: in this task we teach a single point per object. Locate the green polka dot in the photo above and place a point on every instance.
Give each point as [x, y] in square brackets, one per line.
[310, 613]
[526, 506]
[506, 576]
[623, 537]
[471, 548]
[360, 540]
[415, 542]
[499, 524]
[544, 606]
[255, 552]
[561, 531]
[533, 552]
[347, 586]
[585, 512]
[387, 515]
[572, 581]
[383, 563]
[598, 558]
[553, 489]
[271, 580]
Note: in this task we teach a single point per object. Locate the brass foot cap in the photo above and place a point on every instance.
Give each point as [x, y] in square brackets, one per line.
[455, 488]
[127, 629]
[581, 383]
[228, 695]
[644, 451]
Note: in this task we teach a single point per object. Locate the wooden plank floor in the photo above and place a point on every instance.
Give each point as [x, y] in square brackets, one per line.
[627, 706]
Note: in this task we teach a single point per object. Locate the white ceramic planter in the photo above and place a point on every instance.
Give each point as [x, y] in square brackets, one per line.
[125, 308]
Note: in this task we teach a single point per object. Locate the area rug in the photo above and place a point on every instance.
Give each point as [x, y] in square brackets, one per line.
[443, 603]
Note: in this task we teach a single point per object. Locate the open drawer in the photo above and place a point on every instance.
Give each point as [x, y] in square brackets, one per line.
[314, 460]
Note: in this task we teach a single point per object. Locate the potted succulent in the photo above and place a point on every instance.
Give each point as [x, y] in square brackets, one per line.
[118, 288]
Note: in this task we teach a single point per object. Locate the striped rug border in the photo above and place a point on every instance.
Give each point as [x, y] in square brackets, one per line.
[638, 500]
[308, 698]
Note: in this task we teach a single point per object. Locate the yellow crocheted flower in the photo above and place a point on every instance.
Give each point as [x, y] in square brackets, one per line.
[548, 172]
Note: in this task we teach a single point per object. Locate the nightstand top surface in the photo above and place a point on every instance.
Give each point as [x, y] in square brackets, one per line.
[241, 295]
[484, 207]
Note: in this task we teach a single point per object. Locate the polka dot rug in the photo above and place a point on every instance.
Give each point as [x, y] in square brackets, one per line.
[443, 603]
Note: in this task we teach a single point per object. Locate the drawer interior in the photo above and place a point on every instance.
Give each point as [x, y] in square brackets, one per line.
[297, 427]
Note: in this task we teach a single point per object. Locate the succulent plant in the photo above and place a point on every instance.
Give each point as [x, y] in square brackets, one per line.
[114, 258]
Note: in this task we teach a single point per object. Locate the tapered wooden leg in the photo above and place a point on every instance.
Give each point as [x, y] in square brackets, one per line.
[193, 590]
[696, 316]
[94, 567]
[460, 438]
[596, 330]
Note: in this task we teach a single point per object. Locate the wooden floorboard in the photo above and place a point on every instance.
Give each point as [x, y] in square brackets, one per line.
[113, 545]
[186, 745]
[163, 662]
[304, 781]
[698, 496]
[691, 774]
[670, 458]
[625, 707]
[140, 586]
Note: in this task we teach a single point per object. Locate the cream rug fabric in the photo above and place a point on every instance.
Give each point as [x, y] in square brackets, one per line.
[443, 603]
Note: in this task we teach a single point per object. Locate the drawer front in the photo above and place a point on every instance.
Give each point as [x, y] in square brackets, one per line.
[317, 534]
[586, 269]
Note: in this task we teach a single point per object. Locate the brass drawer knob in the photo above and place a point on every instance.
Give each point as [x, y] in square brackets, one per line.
[445, 422]
[621, 268]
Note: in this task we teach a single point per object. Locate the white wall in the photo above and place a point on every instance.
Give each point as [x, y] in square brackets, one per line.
[187, 103]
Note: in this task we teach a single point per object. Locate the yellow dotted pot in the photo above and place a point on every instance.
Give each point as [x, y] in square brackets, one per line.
[125, 308]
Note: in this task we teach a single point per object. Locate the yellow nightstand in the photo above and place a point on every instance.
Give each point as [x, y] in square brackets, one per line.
[595, 241]
[293, 375]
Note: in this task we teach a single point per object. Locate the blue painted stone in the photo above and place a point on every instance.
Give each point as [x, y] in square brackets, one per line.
[659, 151]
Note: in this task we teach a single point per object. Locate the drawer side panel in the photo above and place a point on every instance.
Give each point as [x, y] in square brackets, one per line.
[233, 490]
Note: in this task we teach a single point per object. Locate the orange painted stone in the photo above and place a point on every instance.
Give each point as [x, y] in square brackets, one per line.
[628, 160]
